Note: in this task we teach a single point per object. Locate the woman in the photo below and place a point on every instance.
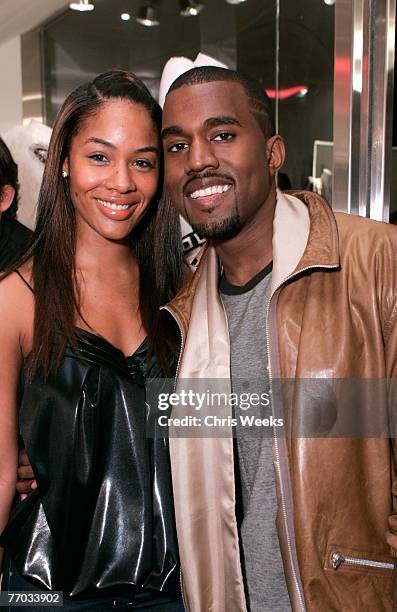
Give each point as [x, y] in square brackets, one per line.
[80, 328]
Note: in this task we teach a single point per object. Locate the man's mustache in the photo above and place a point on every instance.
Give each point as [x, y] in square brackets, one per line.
[207, 175]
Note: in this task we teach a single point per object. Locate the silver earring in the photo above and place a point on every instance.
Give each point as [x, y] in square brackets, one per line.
[64, 174]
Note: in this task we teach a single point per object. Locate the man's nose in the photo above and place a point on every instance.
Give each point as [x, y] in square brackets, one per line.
[121, 178]
[201, 156]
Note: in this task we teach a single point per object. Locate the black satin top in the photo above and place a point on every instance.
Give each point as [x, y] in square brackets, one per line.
[102, 519]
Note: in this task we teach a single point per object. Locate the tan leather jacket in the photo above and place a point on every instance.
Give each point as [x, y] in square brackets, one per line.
[332, 315]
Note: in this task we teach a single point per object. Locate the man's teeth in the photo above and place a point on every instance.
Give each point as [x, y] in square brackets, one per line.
[201, 193]
[114, 206]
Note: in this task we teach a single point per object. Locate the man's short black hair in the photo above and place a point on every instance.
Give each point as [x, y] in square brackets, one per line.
[8, 176]
[258, 100]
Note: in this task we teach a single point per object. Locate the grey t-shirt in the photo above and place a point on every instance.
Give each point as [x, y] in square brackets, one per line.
[263, 569]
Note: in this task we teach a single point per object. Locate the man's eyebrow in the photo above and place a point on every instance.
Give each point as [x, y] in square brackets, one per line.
[176, 130]
[221, 120]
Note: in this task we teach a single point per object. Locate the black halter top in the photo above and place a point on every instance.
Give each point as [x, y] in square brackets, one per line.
[102, 518]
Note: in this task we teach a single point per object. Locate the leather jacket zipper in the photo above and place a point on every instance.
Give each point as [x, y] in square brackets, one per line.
[294, 568]
[181, 587]
[296, 585]
[337, 560]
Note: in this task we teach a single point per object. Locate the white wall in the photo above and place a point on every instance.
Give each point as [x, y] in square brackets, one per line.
[19, 16]
[11, 84]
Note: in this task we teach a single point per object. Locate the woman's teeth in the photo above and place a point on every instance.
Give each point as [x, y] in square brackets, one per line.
[113, 206]
[201, 193]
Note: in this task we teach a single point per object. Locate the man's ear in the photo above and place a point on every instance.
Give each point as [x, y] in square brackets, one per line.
[7, 195]
[275, 153]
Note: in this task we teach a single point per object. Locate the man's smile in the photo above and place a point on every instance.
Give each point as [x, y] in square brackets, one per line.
[207, 191]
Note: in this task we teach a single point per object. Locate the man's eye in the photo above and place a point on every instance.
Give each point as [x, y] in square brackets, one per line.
[98, 157]
[178, 146]
[223, 136]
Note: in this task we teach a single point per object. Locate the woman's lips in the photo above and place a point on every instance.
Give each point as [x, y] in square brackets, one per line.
[113, 205]
[116, 211]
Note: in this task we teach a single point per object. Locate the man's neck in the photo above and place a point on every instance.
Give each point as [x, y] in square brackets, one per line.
[250, 251]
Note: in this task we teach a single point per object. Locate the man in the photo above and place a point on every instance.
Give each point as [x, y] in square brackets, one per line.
[14, 236]
[303, 294]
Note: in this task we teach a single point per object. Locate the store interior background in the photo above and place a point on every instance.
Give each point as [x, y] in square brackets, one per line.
[288, 45]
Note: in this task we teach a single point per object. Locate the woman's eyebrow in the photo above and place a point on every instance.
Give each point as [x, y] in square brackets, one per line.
[100, 141]
[172, 130]
[106, 143]
[149, 149]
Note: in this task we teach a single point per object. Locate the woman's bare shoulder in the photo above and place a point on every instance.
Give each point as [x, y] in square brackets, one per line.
[16, 284]
[17, 308]
[26, 272]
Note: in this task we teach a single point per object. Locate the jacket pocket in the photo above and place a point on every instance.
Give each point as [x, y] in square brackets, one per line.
[341, 559]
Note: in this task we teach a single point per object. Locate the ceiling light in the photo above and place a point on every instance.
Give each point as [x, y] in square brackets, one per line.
[147, 16]
[125, 16]
[82, 5]
[329, 2]
[235, 1]
[191, 8]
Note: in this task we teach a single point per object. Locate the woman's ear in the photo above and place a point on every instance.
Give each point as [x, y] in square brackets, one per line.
[65, 168]
[7, 195]
[275, 153]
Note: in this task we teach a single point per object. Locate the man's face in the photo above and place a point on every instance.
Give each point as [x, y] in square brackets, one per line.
[216, 158]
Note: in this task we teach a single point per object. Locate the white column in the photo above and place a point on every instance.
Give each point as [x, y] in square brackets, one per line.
[11, 84]
[363, 97]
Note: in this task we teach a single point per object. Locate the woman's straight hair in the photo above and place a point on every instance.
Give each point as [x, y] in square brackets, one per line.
[156, 239]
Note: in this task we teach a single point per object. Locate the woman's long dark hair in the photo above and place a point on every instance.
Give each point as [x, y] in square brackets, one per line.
[156, 239]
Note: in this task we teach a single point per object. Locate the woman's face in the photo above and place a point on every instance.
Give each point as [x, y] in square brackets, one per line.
[113, 168]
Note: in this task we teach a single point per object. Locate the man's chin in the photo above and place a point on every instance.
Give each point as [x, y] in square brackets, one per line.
[218, 231]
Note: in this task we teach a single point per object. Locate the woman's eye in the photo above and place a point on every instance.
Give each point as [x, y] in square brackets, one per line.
[98, 157]
[144, 164]
[223, 136]
[178, 146]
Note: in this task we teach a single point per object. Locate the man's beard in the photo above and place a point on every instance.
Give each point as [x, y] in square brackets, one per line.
[219, 230]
